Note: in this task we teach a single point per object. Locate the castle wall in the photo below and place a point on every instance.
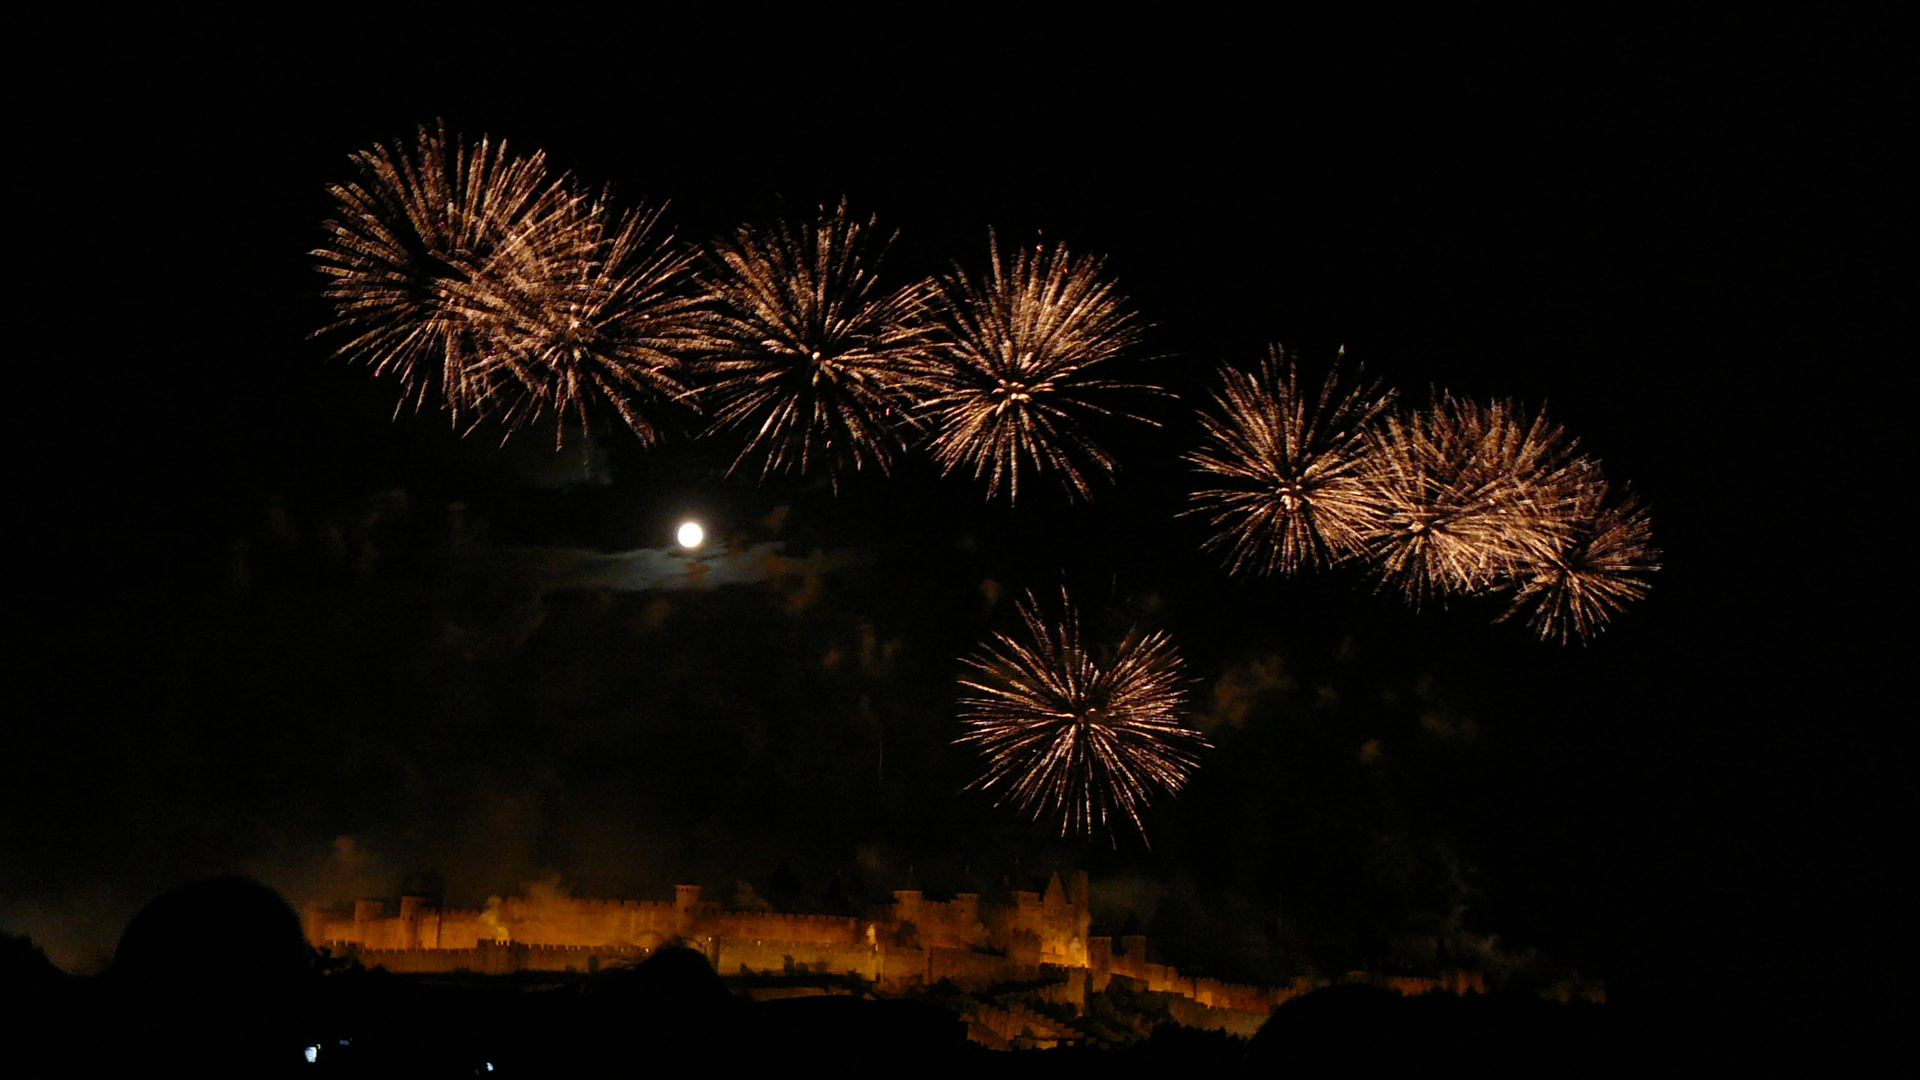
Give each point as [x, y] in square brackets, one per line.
[1193, 1014]
[557, 920]
[1040, 938]
[1068, 986]
[753, 956]
[822, 929]
[1017, 1023]
[1224, 995]
[1025, 917]
[490, 958]
[950, 924]
[462, 930]
[970, 970]
[903, 967]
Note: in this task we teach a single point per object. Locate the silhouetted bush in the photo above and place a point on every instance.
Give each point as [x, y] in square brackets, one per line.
[211, 979]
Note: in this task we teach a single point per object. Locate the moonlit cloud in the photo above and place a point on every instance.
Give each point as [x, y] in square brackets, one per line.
[554, 569]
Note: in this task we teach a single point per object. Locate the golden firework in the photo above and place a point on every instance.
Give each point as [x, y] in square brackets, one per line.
[430, 245]
[1012, 385]
[1603, 566]
[1469, 495]
[809, 352]
[1073, 738]
[1285, 465]
[611, 326]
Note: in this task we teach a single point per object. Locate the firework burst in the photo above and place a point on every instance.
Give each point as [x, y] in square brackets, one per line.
[430, 245]
[610, 326]
[1076, 739]
[1603, 566]
[809, 352]
[1285, 463]
[1470, 496]
[1011, 385]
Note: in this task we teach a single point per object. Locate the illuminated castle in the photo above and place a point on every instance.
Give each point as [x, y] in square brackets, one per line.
[1038, 939]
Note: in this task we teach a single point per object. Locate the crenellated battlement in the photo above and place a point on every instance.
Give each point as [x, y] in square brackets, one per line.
[1038, 938]
[787, 916]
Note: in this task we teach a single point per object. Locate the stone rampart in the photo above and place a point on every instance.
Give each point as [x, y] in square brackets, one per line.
[490, 958]
[1190, 1013]
[902, 967]
[1018, 1024]
[548, 919]
[1039, 938]
[972, 971]
[824, 929]
[750, 956]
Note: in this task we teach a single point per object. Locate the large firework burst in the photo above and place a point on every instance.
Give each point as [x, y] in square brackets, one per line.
[809, 352]
[430, 245]
[1603, 565]
[1470, 496]
[1074, 738]
[1285, 463]
[1012, 383]
[611, 325]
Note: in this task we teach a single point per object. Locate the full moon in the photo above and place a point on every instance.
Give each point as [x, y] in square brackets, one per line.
[691, 534]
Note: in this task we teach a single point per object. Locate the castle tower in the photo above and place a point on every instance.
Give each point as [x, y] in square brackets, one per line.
[686, 905]
[1064, 938]
[410, 921]
[906, 907]
[1080, 898]
[1100, 953]
[966, 914]
[1026, 911]
[1056, 896]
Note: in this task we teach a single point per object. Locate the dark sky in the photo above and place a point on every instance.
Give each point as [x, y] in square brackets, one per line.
[257, 644]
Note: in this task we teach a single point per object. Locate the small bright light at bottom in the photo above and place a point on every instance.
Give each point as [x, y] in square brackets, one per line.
[313, 1054]
[691, 534]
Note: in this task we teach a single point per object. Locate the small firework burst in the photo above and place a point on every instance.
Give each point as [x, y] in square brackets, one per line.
[809, 351]
[1285, 465]
[610, 326]
[1073, 738]
[1012, 383]
[430, 244]
[1470, 495]
[1603, 566]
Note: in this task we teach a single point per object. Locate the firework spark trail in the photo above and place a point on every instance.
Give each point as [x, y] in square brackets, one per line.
[612, 326]
[1069, 737]
[430, 244]
[1012, 382]
[808, 351]
[1286, 465]
[1602, 568]
[1470, 496]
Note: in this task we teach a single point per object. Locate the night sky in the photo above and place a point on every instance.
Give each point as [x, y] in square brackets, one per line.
[273, 630]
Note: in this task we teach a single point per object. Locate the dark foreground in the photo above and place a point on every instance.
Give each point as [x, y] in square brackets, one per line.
[200, 986]
[673, 1012]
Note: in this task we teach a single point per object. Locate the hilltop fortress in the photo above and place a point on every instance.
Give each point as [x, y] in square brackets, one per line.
[1039, 940]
